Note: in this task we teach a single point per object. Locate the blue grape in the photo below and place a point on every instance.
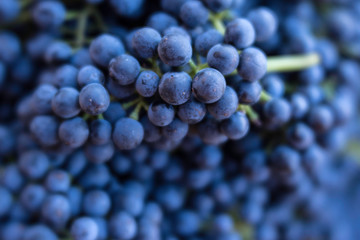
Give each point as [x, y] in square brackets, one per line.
[278, 111]
[226, 105]
[100, 131]
[84, 228]
[208, 85]
[170, 197]
[75, 195]
[194, 13]
[176, 130]
[252, 64]
[104, 48]
[209, 157]
[89, 74]
[37, 45]
[65, 102]
[81, 58]
[206, 40]
[285, 160]
[273, 85]
[145, 42]
[187, 223]
[99, 153]
[300, 136]
[172, 6]
[49, 15]
[74, 132]
[209, 132]
[96, 203]
[65, 76]
[128, 133]
[124, 69]
[39, 232]
[56, 52]
[223, 58]
[265, 23]
[128, 8]
[94, 99]
[151, 131]
[175, 50]
[235, 127]
[12, 231]
[8, 139]
[147, 83]
[248, 93]
[299, 105]
[11, 178]
[240, 33]
[58, 204]
[321, 118]
[32, 197]
[114, 112]
[76, 163]
[341, 25]
[44, 129]
[34, 164]
[9, 47]
[192, 111]
[175, 87]
[218, 5]
[57, 181]
[177, 30]
[312, 75]
[161, 21]
[118, 91]
[9, 10]
[7, 200]
[122, 226]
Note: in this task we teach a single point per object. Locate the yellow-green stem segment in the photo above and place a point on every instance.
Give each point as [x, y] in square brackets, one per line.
[290, 63]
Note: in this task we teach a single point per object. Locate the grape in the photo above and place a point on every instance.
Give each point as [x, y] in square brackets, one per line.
[248, 93]
[264, 22]
[226, 105]
[44, 129]
[59, 204]
[208, 85]
[104, 48]
[7, 200]
[10, 47]
[175, 87]
[74, 132]
[145, 42]
[57, 181]
[128, 133]
[124, 69]
[65, 103]
[194, 13]
[192, 111]
[223, 58]
[240, 33]
[128, 8]
[84, 228]
[122, 226]
[176, 130]
[252, 64]
[161, 21]
[161, 114]
[175, 50]
[147, 83]
[65, 76]
[56, 52]
[49, 15]
[235, 127]
[206, 40]
[94, 99]
[100, 131]
[89, 74]
[96, 203]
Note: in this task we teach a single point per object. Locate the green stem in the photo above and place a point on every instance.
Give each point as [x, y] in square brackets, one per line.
[253, 116]
[130, 104]
[264, 97]
[217, 22]
[25, 3]
[136, 112]
[86, 116]
[71, 15]
[193, 65]
[154, 66]
[81, 27]
[291, 63]
[99, 19]
[100, 116]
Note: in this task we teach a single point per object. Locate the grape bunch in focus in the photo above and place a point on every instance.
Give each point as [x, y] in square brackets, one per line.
[179, 119]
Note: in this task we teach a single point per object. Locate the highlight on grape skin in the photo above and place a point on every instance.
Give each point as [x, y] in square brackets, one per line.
[179, 120]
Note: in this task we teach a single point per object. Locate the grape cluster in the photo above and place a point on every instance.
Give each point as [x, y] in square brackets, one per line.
[179, 119]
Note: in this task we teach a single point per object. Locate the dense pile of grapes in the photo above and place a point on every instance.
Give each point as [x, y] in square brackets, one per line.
[179, 120]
